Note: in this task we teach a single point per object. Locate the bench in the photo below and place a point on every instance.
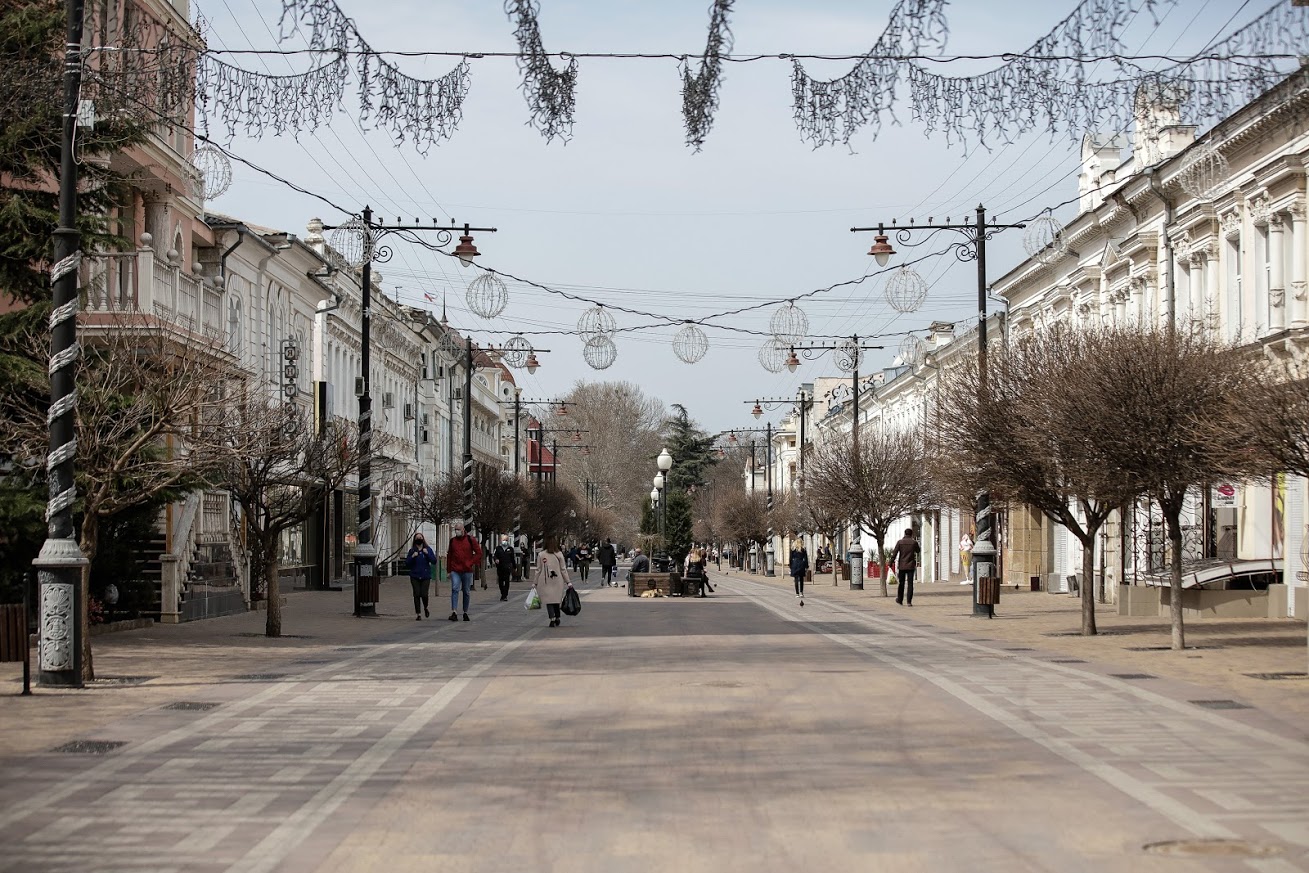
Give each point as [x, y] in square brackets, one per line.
[665, 583]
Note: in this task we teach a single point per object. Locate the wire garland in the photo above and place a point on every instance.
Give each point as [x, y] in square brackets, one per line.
[700, 92]
[549, 92]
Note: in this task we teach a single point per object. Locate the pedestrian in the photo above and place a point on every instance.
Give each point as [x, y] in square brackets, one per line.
[524, 556]
[552, 579]
[480, 571]
[799, 567]
[640, 564]
[421, 560]
[905, 557]
[462, 556]
[505, 560]
[583, 560]
[695, 570]
[608, 558]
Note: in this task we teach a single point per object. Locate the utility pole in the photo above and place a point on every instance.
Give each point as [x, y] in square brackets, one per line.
[60, 564]
[468, 432]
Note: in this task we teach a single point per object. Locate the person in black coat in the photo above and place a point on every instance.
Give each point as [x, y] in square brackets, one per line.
[799, 566]
[505, 559]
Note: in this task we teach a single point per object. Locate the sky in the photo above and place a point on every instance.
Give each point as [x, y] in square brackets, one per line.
[626, 214]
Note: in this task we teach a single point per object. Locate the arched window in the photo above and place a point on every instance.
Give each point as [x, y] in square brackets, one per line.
[235, 329]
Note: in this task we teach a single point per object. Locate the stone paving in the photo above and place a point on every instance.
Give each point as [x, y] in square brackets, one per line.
[741, 732]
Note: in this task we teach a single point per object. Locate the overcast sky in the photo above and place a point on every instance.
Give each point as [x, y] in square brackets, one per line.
[627, 214]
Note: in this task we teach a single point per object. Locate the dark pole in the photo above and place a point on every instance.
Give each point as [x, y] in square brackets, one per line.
[803, 409]
[554, 461]
[769, 552]
[984, 551]
[518, 521]
[365, 552]
[59, 565]
[468, 432]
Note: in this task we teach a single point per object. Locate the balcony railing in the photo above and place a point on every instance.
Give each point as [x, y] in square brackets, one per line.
[140, 283]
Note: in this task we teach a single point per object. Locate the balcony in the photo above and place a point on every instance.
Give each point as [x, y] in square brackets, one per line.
[117, 285]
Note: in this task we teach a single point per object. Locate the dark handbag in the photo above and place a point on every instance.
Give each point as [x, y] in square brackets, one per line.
[572, 604]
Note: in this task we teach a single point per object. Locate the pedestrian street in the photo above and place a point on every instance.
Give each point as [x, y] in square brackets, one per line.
[738, 732]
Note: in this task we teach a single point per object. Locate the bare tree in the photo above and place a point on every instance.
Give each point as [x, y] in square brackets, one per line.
[140, 389]
[818, 516]
[550, 511]
[278, 469]
[495, 496]
[1156, 394]
[433, 501]
[1022, 433]
[887, 479]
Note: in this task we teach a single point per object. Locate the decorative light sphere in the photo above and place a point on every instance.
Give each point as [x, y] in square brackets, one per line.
[906, 290]
[848, 356]
[789, 324]
[772, 355]
[516, 351]
[487, 295]
[912, 349]
[596, 322]
[1044, 239]
[600, 352]
[1204, 172]
[690, 344]
[348, 241]
[214, 169]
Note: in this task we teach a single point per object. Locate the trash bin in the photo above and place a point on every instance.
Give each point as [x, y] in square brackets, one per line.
[988, 590]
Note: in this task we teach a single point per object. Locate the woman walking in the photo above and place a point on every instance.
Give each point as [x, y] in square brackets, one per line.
[799, 568]
[552, 579]
[421, 560]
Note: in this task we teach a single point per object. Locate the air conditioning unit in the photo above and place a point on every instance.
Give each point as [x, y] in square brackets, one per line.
[388, 400]
[359, 386]
[409, 412]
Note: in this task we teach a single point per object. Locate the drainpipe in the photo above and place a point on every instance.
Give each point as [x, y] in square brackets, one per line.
[222, 259]
[1170, 288]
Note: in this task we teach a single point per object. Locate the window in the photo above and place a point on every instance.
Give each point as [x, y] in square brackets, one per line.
[235, 332]
[1232, 296]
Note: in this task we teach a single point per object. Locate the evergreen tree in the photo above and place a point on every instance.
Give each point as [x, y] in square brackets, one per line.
[692, 450]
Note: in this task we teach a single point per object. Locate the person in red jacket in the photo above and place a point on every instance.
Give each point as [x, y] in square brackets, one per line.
[463, 555]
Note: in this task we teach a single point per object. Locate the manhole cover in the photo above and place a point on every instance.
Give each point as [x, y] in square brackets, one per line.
[1132, 676]
[89, 747]
[260, 677]
[1220, 704]
[1212, 848]
[191, 706]
[1276, 676]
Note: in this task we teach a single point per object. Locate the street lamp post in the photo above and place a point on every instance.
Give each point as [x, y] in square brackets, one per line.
[665, 463]
[367, 588]
[971, 248]
[59, 565]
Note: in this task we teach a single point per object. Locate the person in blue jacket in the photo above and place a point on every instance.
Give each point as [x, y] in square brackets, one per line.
[421, 560]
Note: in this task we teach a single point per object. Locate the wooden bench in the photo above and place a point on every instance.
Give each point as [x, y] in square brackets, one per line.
[664, 583]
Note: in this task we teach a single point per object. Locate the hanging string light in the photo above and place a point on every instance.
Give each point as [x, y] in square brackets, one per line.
[911, 349]
[905, 290]
[848, 355]
[1044, 239]
[487, 295]
[549, 92]
[213, 170]
[596, 322]
[772, 355]
[348, 239]
[1204, 171]
[789, 324]
[599, 352]
[690, 344]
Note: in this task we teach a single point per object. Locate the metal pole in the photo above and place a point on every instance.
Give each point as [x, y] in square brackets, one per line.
[60, 564]
[769, 551]
[554, 461]
[984, 550]
[468, 432]
[365, 552]
[803, 410]
[517, 514]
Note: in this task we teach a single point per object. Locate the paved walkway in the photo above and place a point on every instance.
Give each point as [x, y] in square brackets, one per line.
[742, 732]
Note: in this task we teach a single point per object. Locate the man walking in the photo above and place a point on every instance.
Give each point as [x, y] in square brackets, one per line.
[461, 557]
[905, 555]
[608, 557]
[505, 559]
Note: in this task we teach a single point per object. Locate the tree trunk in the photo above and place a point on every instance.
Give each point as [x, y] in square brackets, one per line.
[90, 541]
[1088, 585]
[1175, 576]
[881, 561]
[273, 598]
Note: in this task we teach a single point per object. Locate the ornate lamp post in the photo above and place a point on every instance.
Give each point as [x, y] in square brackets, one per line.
[357, 241]
[971, 248]
[665, 463]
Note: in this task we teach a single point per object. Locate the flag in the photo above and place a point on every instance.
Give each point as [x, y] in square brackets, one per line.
[429, 297]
